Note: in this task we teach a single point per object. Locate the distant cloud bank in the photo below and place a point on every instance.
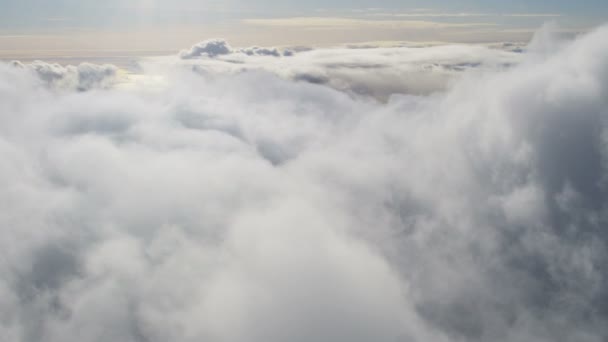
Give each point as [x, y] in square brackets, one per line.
[371, 70]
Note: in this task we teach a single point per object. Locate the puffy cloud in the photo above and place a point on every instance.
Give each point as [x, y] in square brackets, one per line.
[249, 207]
[374, 71]
[83, 77]
[218, 47]
[210, 48]
[252, 51]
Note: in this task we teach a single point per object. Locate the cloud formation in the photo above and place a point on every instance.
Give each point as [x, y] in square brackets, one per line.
[209, 48]
[219, 47]
[83, 77]
[357, 23]
[373, 71]
[251, 207]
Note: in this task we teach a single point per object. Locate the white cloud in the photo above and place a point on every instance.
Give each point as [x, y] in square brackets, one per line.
[373, 71]
[244, 206]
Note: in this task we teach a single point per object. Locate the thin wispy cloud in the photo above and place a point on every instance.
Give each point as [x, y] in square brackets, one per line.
[463, 15]
[338, 22]
[533, 15]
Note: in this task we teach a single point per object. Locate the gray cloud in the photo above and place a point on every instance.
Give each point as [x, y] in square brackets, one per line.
[83, 77]
[218, 47]
[260, 51]
[210, 48]
[246, 206]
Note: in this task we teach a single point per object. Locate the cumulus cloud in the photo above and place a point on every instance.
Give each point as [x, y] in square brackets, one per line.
[83, 77]
[251, 207]
[374, 71]
[253, 51]
[209, 48]
[219, 47]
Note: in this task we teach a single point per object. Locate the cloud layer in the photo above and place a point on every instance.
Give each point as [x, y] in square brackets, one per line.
[373, 70]
[246, 206]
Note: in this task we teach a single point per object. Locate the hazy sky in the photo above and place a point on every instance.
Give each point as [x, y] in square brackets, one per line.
[69, 27]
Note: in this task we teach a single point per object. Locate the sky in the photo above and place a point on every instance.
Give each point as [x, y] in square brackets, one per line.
[411, 193]
[271, 171]
[37, 28]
